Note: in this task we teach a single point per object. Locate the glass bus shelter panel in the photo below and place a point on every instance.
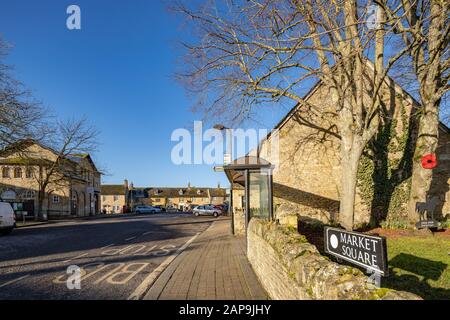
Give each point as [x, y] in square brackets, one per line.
[259, 194]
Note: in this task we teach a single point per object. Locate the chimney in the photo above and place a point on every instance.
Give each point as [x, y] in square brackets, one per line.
[218, 185]
[125, 183]
[189, 185]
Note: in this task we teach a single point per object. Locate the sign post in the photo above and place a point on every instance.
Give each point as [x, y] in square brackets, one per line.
[363, 250]
[24, 214]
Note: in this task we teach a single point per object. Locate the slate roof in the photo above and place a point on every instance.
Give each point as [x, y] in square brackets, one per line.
[154, 192]
[112, 189]
[191, 192]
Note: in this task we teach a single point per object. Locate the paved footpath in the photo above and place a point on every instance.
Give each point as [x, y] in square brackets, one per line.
[213, 267]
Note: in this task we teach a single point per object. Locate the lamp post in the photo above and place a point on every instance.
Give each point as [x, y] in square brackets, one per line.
[229, 149]
[227, 158]
[131, 197]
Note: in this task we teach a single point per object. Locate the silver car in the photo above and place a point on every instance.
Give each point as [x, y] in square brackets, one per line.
[206, 211]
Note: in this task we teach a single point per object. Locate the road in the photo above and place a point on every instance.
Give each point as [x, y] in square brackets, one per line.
[118, 256]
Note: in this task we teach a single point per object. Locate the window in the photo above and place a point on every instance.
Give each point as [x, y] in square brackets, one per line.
[17, 173]
[29, 173]
[29, 195]
[5, 172]
[56, 199]
[157, 200]
[116, 198]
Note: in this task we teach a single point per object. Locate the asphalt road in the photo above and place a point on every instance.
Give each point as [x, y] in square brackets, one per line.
[116, 255]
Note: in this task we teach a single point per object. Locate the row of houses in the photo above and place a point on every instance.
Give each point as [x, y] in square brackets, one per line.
[119, 198]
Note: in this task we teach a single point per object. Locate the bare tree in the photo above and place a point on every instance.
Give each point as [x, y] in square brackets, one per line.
[20, 115]
[424, 27]
[251, 52]
[70, 138]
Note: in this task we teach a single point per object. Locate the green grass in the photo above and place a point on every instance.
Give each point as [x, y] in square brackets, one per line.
[420, 265]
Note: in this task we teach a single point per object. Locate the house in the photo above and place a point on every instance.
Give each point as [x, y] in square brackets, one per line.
[306, 169]
[73, 188]
[113, 199]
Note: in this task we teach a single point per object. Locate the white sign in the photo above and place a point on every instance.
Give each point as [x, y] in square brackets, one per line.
[226, 159]
[8, 195]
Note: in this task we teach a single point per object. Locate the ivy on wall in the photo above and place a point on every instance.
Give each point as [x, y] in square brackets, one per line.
[384, 172]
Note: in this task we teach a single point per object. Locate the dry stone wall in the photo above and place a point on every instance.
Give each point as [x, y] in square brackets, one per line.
[290, 268]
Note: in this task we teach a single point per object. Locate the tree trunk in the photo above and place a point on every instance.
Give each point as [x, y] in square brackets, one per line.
[350, 157]
[39, 215]
[427, 142]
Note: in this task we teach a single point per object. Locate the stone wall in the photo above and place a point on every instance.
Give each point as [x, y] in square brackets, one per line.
[290, 268]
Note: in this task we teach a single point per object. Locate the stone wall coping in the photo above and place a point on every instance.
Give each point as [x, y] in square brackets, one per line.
[317, 274]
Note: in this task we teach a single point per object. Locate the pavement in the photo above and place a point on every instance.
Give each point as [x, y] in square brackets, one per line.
[126, 258]
[214, 268]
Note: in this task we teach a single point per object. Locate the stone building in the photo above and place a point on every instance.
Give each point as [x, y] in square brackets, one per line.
[113, 199]
[117, 197]
[306, 175]
[183, 198]
[73, 189]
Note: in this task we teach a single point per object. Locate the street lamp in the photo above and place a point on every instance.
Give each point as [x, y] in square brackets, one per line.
[227, 157]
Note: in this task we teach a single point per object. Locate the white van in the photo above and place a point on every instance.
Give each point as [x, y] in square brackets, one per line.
[7, 218]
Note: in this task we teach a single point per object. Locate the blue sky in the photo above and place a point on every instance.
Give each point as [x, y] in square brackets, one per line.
[118, 72]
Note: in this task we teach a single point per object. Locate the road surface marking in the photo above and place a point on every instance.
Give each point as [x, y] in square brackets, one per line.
[130, 238]
[143, 287]
[139, 247]
[126, 271]
[14, 281]
[154, 232]
[75, 258]
[109, 245]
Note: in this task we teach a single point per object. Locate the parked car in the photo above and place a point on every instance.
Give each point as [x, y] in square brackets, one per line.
[162, 209]
[146, 209]
[7, 218]
[171, 209]
[191, 207]
[220, 207]
[207, 210]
